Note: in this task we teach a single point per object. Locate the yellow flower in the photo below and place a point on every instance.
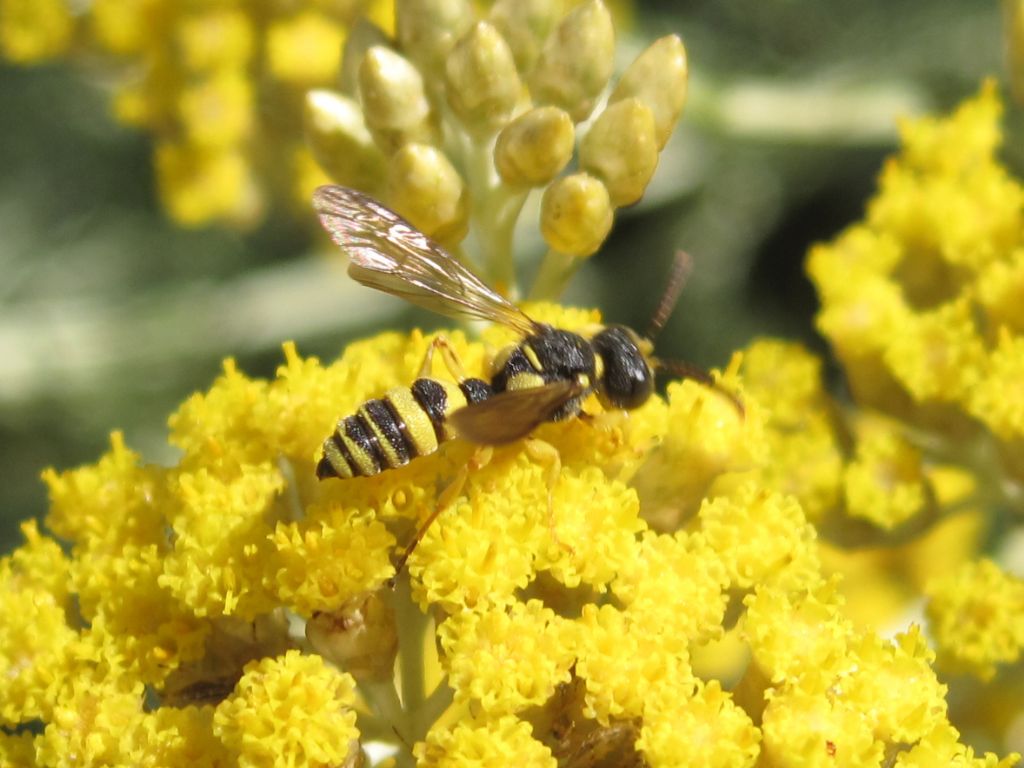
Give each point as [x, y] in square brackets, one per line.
[998, 397]
[218, 86]
[506, 659]
[292, 710]
[34, 30]
[504, 741]
[977, 617]
[698, 726]
[797, 635]
[803, 727]
[759, 536]
[217, 111]
[199, 184]
[921, 304]
[677, 584]
[913, 297]
[33, 599]
[305, 49]
[519, 633]
[943, 747]
[884, 482]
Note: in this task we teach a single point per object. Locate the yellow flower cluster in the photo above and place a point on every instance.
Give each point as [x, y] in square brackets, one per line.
[921, 299]
[218, 85]
[231, 609]
[921, 302]
[459, 117]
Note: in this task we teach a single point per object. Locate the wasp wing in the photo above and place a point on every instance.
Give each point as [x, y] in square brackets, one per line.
[508, 416]
[388, 253]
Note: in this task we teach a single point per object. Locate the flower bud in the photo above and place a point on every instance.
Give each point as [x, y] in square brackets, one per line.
[339, 140]
[658, 78]
[394, 104]
[576, 214]
[360, 637]
[621, 150]
[427, 29]
[363, 36]
[483, 86]
[525, 25]
[426, 189]
[533, 148]
[576, 61]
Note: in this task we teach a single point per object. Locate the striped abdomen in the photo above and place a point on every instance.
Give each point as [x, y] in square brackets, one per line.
[389, 432]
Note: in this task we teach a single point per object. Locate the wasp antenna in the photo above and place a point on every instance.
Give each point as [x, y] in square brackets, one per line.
[684, 370]
[682, 263]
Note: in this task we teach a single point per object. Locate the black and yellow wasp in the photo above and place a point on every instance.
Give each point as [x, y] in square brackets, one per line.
[544, 377]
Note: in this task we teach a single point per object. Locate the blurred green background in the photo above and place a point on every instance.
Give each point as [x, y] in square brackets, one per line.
[110, 315]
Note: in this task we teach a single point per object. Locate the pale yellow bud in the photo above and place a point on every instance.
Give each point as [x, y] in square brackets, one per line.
[427, 29]
[425, 188]
[360, 637]
[535, 147]
[577, 61]
[340, 142]
[363, 36]
[525, 25]
[482, 83]
[576, 214]
[395, 106]
[658, 78]
[621, 150]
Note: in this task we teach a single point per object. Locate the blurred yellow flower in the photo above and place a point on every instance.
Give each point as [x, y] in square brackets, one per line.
[219, 86]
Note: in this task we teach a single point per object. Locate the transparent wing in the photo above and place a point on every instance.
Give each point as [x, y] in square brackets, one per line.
[511, 415]
[390, 254]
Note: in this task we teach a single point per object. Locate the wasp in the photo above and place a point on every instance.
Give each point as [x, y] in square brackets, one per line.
[546, 376]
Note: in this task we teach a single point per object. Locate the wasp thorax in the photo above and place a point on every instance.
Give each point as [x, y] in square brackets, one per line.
[626, 380]
[546, 357]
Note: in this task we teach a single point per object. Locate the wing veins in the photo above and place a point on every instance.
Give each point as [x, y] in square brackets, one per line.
[387, 253]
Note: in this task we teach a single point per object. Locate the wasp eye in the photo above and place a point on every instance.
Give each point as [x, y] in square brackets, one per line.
[626, 380]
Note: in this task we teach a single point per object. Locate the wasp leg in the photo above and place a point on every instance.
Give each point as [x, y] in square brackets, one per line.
[481, 458]
[448, 356]
[548, 455]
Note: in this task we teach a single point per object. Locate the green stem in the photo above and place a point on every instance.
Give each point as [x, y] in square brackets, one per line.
[433, 707]
[554, 275]
[496, 209]
[390, 716]
[412, 626]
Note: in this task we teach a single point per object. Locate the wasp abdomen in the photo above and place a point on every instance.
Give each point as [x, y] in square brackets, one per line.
[389, 432]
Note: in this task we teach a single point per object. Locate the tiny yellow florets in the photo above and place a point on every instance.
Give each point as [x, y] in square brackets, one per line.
[797, 635]
[914, 297]
[977, 617]
[699, 725]
[290, 711]
[921, 304]
[506, 659]
[560, 630]
[884, 481]
[760, 536]
[659, 587]
[504, 741]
